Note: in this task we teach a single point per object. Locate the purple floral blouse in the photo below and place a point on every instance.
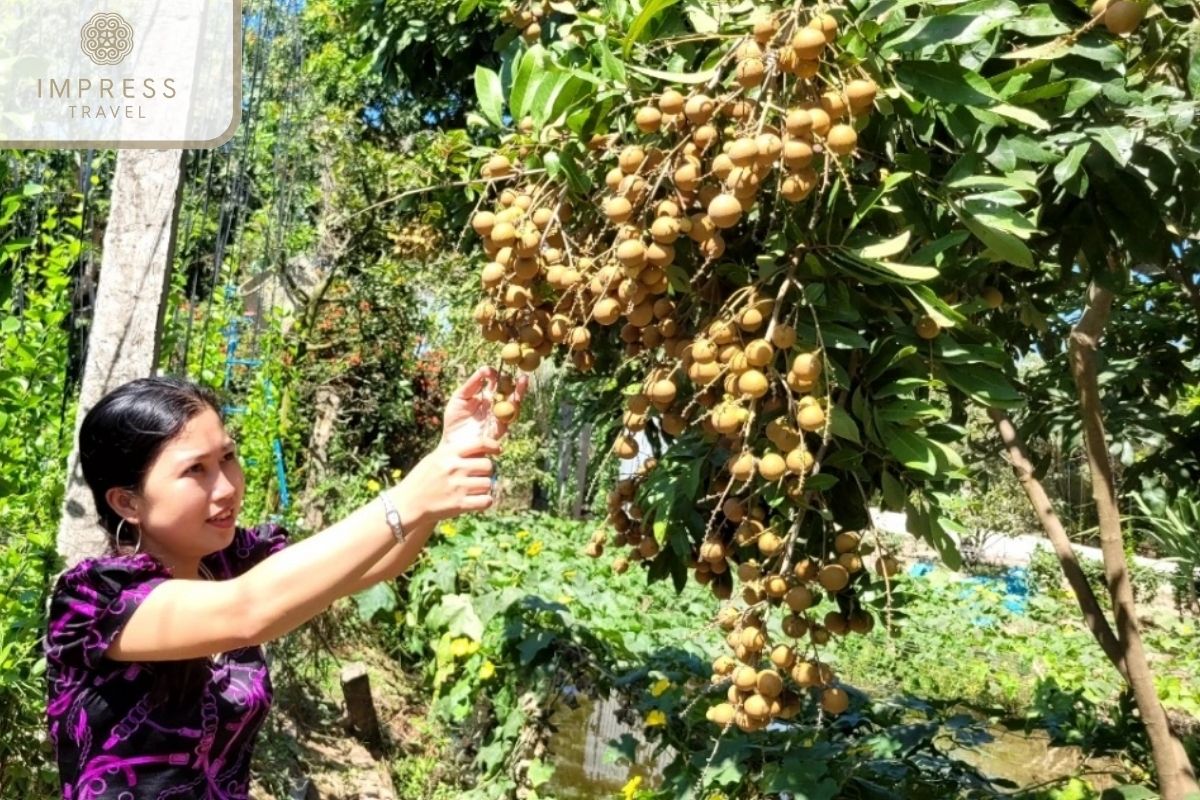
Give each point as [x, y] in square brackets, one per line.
[111, 741]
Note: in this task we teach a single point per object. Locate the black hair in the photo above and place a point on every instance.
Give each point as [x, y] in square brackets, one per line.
[124, 433]
[119, 439]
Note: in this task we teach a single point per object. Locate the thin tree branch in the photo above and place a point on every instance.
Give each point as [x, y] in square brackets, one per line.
[1093, 615]
[1175, 775]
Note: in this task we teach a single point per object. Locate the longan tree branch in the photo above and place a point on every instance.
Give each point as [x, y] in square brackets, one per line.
[1093, 615]
[1175, 775]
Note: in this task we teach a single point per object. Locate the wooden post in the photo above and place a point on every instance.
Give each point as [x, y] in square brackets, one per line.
[581, 471]
[360, 707]
[126, 327]
[305, 790]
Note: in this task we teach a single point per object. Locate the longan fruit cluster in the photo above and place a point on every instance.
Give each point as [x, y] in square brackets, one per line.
[682, 180]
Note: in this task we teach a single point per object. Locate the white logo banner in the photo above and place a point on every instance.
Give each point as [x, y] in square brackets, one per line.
[119, 73]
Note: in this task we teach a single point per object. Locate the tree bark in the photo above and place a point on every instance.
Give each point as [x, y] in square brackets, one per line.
[1175, 774]
[139, 244]
[1093, 615]
[328, 404]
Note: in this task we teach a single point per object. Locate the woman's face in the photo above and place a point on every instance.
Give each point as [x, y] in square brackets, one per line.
[196, 478]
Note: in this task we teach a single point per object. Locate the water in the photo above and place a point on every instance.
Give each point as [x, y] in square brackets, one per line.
[579, 747]
[1025, 758]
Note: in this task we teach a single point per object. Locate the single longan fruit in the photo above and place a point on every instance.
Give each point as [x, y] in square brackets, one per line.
[1123, 16]
[833, 577]
[648, 119]
[928, 328]
[725, 210]
[842, 139]
[835, 700]
[671, 102]
[845, 542]
[810, 417]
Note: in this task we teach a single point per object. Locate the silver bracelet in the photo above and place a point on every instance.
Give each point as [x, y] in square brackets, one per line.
[393, 517]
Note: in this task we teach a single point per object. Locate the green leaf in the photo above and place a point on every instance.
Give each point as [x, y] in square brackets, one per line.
[894, 493]
[611, 66]
[842, 425]
[458, 614]
[702, 21]
[1002, 244]
[487, 91]
[925, 523]
[936, 307]
[379, 598]
[519, 97]
[906, 410]
[983, 384]
[1067, 168]
[1133, 792]
[1024, 116]
[1193, 75]
[649, 11]
[555, 93]
[949, 83]
[966, 25]
[869, 202]
[465, 8]
[1118, 141]
[871, 270]
[539, 772]
[912, 450]
[703, 76]
[888, 247]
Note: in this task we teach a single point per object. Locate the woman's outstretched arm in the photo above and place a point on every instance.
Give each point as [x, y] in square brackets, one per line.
[189, 619]
[468, 414]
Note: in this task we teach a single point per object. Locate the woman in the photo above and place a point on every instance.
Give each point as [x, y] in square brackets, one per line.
[157, 683]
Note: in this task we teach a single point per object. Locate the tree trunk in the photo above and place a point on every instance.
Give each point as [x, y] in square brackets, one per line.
[1175, 775]
[328, 403]
[581, 471]
[139, 244]
[1097, 623]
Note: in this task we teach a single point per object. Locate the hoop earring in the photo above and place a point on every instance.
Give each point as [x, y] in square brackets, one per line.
[137, 548]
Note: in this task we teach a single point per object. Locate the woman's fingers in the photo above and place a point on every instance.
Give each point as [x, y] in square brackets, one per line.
[475, 485]
[476, 383]
[478, 466]
[483, 446]
[521, 388]
[478, 502]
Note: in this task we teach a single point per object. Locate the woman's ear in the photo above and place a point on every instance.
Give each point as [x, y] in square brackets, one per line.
[124, 502]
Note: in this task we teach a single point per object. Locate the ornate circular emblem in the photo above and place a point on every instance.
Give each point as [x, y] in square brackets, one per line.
[106, 38]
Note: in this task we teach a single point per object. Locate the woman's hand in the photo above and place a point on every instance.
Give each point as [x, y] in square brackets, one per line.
[469, 411]
[456, 478]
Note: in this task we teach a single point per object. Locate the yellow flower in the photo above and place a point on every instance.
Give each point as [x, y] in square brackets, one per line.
[523, 534]
[487, 670]
[630, 789]
[660, 686]
[448, 529]
[569, 575]
[461, 647]
[655, 718]
[534, 548]
[396, 473]
[474, 552]
[373, 485]
[565, 599]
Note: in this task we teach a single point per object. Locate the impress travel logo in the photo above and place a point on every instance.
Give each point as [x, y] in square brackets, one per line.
[140, 73]
[106, 39]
